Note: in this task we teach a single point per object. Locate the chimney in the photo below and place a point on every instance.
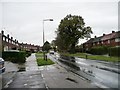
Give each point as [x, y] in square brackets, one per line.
[113, 31]
[11, 38]
[8, 35]
[95, 36]
[103, 34]
[2, 32]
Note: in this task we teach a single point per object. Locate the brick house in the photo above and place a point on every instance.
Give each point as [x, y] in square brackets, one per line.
[8, 43]
[112, 39]
[29, 47]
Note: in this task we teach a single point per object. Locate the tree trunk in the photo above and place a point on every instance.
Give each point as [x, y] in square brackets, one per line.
[72, 49]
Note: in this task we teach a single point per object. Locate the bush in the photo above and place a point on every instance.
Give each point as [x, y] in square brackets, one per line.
[65, 57]
[114, 51]
[15, 57]
[28, 53]
[100, 50]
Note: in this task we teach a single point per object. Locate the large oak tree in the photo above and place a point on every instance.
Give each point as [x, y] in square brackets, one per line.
[69, 31]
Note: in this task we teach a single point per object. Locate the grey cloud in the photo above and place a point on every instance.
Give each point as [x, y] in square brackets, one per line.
[24, 19]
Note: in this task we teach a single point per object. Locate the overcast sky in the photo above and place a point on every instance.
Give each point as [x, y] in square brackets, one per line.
[22, 19]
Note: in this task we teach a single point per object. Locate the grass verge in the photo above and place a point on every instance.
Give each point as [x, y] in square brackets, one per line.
[41, 61]
[95, 57]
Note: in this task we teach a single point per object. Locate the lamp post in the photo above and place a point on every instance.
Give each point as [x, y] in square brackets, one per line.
[44, 36]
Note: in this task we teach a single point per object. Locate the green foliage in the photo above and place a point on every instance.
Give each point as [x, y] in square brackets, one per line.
[61, 45]
[100, 50]
[53, 45]
[70, 29]
[42, 62]
[54, 48]
[114, 51]
[95, 57]
[46, 46]
[15, 57]
[28, 53]
[39, 55]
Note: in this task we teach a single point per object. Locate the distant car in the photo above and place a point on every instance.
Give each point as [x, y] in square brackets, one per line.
[51, 52]
[2, 67]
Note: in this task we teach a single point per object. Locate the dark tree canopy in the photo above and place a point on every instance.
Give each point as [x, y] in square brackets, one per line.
[53, 45]
[69, 31]
[46, 46]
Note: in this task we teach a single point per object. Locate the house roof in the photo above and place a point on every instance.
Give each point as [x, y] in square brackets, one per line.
[105, 37]
[90, 41]
[117, 34]
[111, 36]
[97, 39]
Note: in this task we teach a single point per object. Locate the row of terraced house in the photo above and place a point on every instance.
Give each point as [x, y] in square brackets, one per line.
[8, 43]
[112, 39]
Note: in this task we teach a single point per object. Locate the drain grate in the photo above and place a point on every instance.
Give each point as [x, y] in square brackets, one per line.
[72, 80]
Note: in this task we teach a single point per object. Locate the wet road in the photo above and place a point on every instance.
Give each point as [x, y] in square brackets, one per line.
[103, 74]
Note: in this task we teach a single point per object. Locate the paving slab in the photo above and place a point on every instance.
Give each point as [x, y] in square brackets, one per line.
[56, 76]
[10, 71]
[31, 64]
[29, 79]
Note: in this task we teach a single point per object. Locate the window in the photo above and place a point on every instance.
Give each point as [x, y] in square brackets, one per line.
[3, 38]
[108, 41]
[5, 48]
[117, 40]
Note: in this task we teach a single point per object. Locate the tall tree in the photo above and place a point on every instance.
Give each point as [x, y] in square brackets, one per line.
[53, 45]
[46, 46]
[69, 31]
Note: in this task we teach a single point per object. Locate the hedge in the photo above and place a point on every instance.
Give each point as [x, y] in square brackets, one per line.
[100, 50]
[114, 51]
[28, 53]
[15, 57]
[65, 57]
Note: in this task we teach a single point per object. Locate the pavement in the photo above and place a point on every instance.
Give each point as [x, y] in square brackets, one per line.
[29, 79]
[28, 75]
[56, 76]
[50, 76]
[9, 74]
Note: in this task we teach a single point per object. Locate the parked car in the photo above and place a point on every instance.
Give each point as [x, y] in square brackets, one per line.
[2, 67]
[51, 52]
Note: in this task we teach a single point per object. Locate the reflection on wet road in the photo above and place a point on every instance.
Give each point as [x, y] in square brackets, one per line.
[103, 74]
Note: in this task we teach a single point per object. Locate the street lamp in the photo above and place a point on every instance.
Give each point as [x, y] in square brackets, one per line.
[43, 34]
